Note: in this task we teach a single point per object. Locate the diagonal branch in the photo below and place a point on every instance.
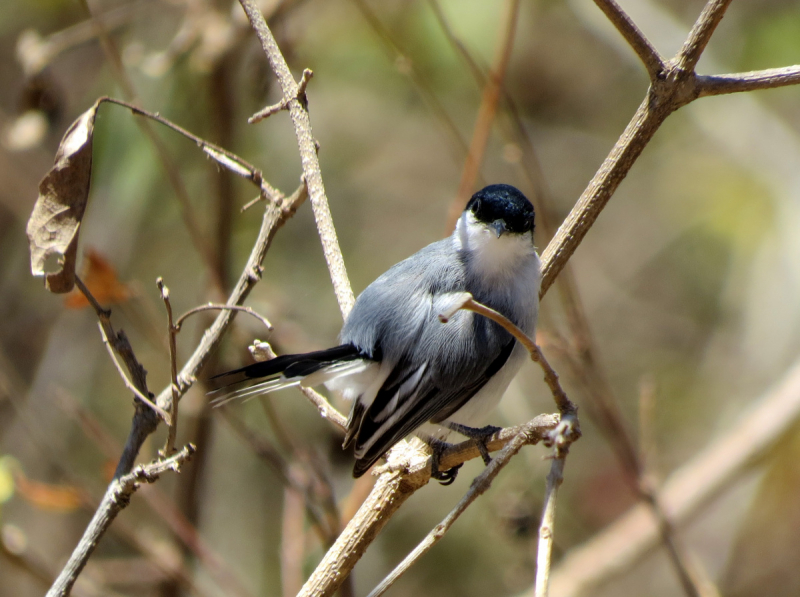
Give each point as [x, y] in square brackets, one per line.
[117, 497]
[648, 54]
[308, 157]
[700, 34]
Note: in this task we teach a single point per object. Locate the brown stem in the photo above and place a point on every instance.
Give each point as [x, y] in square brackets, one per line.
[308, 157]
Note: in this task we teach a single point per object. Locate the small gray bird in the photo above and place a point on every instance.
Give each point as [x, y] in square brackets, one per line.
[404, 369]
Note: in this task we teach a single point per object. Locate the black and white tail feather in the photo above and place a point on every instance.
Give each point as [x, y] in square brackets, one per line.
[404, 370]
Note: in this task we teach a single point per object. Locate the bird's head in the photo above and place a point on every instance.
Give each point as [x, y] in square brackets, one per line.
[501, 208]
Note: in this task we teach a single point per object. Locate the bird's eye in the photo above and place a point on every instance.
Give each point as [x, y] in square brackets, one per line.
[476, 207]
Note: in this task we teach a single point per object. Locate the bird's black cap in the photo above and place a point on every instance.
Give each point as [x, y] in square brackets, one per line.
[503, 202]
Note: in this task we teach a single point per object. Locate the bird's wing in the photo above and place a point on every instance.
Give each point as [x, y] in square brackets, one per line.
[411, 397]
[435, 368]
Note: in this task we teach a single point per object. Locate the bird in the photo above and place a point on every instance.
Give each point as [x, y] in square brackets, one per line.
[406, 371]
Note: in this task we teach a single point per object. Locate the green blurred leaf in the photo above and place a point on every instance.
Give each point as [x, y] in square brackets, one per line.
[6, 478]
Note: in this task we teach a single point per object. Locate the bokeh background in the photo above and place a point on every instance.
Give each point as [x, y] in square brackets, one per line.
[689, 281]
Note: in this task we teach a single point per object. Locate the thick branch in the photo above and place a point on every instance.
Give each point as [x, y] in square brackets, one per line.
[527, 434]
[407, 470]
[636, 136]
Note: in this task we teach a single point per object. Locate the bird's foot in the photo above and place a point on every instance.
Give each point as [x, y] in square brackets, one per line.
[480, 435]
[444, 477]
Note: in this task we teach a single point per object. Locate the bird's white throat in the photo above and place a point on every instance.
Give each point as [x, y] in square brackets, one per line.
[492, 256]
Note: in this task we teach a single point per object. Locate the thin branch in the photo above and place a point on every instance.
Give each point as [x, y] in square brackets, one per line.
[464, 300]
[308, 156]
[545, 546]
[647, 53]
[262, 351]
[216, 307]
[284, 103]
[122, 347]
[173, 360]
[760, 79]
[700, 34]
[274, 217]
[222, 156]
[128, 384]
[486, 113]
[116, 498]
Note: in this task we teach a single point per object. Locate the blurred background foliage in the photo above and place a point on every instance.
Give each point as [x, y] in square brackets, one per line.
[690, 279]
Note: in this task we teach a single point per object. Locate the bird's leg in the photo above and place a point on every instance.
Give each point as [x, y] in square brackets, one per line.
[437, 448]
[480, 434]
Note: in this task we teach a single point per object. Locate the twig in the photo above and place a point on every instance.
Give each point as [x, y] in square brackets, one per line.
[116, 498]
[545, 546]
[128, 384]
[326, 409]
[274, 217]
[222, 156]
[284, 103]
[464, 300]
[649, 56]
[486, 113]
[169, 447]
[122, 346]
[216, 307]
[308, 156]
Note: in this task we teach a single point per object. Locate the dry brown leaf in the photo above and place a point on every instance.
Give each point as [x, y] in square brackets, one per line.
[61, 498]
[54, 224]
[100, 278]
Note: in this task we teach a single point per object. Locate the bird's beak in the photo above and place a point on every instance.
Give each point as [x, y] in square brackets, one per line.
[499, 227]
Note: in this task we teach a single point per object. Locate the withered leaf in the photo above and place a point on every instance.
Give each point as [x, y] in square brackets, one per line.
[101, 279]
[54, 224]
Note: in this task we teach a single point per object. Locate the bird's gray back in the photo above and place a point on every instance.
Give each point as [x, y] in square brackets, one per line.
[396, 318]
